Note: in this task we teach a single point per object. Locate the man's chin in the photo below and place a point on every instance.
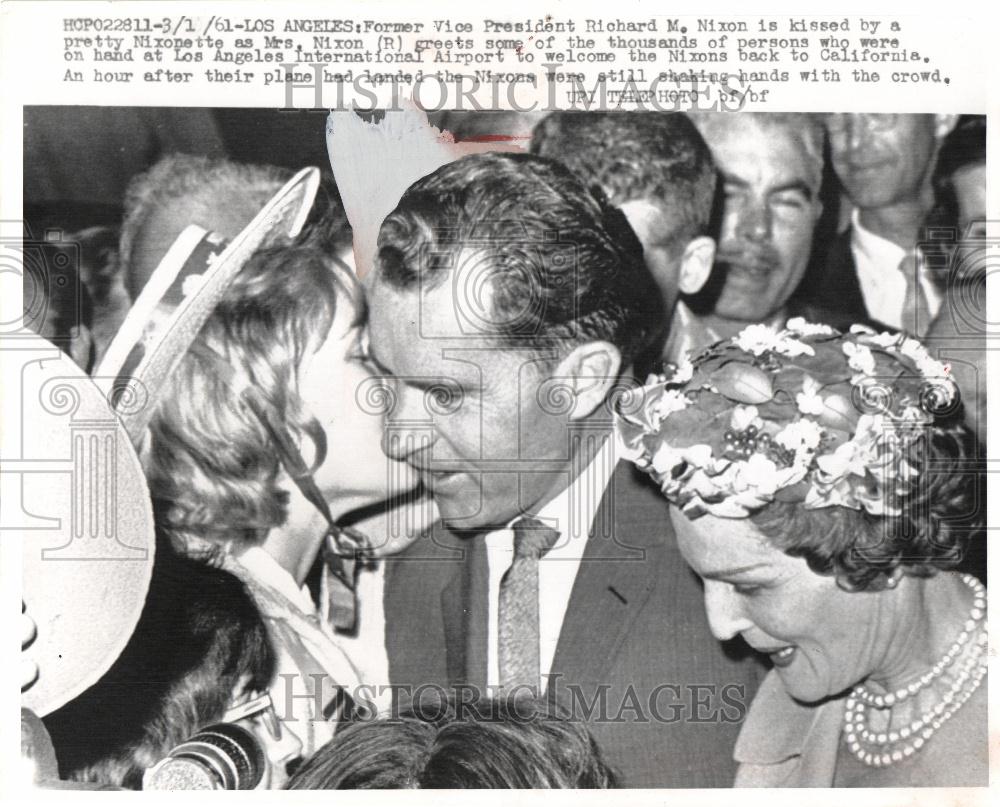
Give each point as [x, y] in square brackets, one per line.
[744, 313]
[467, 512]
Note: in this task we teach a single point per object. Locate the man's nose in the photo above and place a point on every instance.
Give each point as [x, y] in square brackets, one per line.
[408, 428]
[402, 442]
[725, 613]
[859, 132]
[755, 221]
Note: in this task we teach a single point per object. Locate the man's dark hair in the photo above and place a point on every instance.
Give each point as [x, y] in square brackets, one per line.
[199, 636]
[560, 265]
[656, 156]
[503, 743]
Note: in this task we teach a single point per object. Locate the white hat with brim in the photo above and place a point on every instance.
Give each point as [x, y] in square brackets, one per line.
[181, 294]
[76, 498]
[88, 539]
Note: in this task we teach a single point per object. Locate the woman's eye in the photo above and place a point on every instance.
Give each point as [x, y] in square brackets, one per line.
[746, 589]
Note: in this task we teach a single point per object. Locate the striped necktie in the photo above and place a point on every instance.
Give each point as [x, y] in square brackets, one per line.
[916, 315]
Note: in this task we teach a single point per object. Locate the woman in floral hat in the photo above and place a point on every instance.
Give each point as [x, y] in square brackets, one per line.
[823, 485]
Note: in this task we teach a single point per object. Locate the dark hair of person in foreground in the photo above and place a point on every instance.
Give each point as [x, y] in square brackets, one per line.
[199, 642]
[504, 743]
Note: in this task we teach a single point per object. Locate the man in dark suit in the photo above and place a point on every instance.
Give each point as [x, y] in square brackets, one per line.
[506, 306]
[876, 270]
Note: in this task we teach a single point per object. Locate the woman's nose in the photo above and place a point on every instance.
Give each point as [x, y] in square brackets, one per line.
[725, 612]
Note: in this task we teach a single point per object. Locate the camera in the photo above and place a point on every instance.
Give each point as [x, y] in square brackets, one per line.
[224, 756]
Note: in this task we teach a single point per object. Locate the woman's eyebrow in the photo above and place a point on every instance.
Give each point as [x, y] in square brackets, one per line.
[738, 570]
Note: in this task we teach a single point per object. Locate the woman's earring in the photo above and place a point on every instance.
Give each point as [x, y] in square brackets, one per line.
[893, 580]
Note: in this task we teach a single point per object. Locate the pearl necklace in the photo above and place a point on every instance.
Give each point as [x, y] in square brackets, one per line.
[894, 746]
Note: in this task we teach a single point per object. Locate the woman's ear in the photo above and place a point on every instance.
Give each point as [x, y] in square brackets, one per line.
[696, 264]
[589, 373]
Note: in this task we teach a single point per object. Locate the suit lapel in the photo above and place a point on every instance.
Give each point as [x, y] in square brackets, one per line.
[843, 273]
[617, 573]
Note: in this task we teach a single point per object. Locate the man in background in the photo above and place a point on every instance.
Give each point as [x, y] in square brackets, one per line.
[770, 168]
[658, 171]
[875, 269]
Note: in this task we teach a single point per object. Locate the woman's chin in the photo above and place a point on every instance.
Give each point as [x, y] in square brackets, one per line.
[802, 686]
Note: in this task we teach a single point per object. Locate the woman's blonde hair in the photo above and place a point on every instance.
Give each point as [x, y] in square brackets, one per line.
[213, 465]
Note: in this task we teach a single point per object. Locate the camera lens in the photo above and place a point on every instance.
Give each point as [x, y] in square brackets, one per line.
[221, 757]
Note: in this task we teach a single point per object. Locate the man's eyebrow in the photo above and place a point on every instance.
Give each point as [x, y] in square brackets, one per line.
[732, 179]
[719, 574]
[411, 381]
[791, 185]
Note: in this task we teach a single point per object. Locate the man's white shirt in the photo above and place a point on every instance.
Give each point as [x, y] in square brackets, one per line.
[883, 286]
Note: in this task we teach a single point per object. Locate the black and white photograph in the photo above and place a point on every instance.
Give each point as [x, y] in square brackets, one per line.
[420, 446]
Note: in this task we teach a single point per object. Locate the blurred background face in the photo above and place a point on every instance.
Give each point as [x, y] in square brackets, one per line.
[331, 382]
[468, 416]
[771, 207]
[969, 184]
[820, 638]
[881, 159]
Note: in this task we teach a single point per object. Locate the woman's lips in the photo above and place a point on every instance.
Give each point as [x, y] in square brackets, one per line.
[783, 656]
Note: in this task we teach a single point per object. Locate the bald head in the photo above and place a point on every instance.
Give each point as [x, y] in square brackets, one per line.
[216, 194]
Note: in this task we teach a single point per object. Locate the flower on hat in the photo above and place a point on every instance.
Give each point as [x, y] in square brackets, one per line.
[772, 414]
[809, 400]
[859, 358]
[744, 417]
[800, 326]
[671, 401]
[760, 339]
[683, 372]
[800, 434]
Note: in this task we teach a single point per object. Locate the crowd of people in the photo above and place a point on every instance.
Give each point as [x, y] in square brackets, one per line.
[682, 417]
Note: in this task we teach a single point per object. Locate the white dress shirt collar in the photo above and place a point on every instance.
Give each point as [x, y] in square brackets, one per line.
[883, 286]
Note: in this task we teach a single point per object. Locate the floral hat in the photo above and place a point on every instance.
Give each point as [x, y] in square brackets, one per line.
[805, 414]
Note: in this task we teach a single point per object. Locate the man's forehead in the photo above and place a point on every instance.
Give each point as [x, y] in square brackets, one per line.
[773, 155]
[449, 303]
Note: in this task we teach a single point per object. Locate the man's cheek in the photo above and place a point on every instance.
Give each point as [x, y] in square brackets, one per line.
[460, 434]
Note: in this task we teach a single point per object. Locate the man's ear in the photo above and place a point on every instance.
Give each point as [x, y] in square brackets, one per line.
[696, 264]
[589, 372]
[943, 124]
